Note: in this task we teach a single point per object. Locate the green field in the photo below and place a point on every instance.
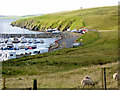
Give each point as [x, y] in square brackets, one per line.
[96, 53]
[102, 18]
[66, 67]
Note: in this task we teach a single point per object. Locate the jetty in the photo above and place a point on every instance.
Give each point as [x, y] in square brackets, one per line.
[40, 35]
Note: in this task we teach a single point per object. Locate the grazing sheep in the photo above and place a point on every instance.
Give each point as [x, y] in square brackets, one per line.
[116, 76]
[86, 81]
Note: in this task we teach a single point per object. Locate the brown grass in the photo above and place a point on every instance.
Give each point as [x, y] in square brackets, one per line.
[69, 79]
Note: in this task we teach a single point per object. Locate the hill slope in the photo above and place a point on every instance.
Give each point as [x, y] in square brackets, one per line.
[98, 51]
[102, 18]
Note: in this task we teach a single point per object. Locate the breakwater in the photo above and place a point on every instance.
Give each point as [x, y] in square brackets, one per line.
[40, 35]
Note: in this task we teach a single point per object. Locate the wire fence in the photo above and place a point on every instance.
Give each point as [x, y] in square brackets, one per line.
[103, 81]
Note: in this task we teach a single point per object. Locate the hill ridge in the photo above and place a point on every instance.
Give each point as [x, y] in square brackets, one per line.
[101, 18]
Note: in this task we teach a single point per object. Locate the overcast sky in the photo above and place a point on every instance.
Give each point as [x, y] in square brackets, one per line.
[29, 7]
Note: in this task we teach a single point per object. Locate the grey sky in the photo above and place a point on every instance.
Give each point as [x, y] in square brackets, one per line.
[28, 7]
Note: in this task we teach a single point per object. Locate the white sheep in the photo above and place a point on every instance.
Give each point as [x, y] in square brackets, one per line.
[87, 81]
[116, 76]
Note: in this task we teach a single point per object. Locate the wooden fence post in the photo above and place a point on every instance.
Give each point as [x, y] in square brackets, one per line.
[102, 77]
[35, 84]
[4, 84]
[105, 77]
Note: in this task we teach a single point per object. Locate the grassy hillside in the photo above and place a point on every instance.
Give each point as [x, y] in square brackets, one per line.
[98, 51]
[102, 18]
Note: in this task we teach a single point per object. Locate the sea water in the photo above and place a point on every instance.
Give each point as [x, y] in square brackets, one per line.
[6, 28]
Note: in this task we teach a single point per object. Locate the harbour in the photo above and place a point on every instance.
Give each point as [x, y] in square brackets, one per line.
[17, 42]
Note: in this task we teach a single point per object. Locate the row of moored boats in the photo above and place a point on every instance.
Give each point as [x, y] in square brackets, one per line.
[8, 44]
[22, 40]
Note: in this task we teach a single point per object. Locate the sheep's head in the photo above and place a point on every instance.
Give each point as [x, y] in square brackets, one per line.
[87, 77]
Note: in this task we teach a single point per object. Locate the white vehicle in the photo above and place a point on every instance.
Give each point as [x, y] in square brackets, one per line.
[55, 32]
[69, 30]
[75, 31]
[6, 55]
[76, 44]
[38, 51]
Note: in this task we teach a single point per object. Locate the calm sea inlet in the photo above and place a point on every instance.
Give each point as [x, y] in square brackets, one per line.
[6, 28]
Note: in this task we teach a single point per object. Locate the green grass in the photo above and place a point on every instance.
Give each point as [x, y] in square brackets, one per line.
[66, 68]
[100, 51]
[91, 37]
[102, 18]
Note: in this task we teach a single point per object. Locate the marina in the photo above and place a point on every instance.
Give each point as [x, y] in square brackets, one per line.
[17, 42]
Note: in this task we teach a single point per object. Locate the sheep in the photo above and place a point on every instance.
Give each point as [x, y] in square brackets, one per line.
[116, 76]
[87, 81]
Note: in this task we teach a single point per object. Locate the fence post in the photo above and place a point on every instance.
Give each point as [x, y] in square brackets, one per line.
[105, 77]
[4, 84]
[102, 77]
[35, 84]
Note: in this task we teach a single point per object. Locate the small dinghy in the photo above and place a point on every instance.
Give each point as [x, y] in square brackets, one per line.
[29, 41]
[35, 41]
[16, 47]
[23, 40]
[41, 41]
[2, 40]
[33, 47]
[10, 46]
[22, 46]
[15, 40]
[3, 46]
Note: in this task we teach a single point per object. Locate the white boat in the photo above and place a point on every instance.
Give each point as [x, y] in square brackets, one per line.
[2, 40]
[22, 46]
[16, 47]
[3, 46]
[33, 46]
[41, 41]
[23, 40]
[6, 55]
[10, 46]
[15, 40]
[35, 41]
[29, 41]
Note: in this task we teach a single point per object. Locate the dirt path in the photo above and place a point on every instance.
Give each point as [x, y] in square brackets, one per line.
[106, 30]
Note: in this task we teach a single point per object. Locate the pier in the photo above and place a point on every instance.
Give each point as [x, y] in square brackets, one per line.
[40, 35]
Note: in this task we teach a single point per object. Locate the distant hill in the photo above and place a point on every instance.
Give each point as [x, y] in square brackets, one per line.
[101, 18]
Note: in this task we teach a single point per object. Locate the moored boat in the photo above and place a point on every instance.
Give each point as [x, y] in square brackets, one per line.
[23, 40]
[2, 40]
[35, 41]
[15, 40]
[29, 41]
[10, 46]
[41, 41]
[6, 55]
